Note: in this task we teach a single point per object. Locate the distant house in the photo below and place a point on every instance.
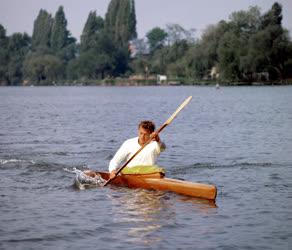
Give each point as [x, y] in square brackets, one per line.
[214, 74]
[138, 47]
[132, 50]
[25, 82]
[161, 79]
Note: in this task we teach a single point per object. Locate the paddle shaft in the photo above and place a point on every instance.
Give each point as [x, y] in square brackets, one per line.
[169, 120]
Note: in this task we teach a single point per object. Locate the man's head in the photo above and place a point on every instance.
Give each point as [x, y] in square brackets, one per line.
[145, 129]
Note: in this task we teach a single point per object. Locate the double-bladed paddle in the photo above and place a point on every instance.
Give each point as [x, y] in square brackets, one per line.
[169, 120]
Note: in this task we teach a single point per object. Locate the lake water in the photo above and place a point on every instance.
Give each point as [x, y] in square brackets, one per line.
[237, 138]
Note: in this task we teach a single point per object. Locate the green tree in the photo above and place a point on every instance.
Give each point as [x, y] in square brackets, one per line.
[101, 60]
[41, 35]
[229, 56]
[120, 21]
[92, 66]
[269, 50]
[246, 45]
[175, 58]
[105, 44]
[111, 16]
[59, 34]
[18, 47]
[93, 27]
[246, 21]
[288, 63]
[158, 63]
[202, 55]
[272, 17]
[196, 62]
[62, 43]
[139, 65]
[132, 21]
[156, 38]
[227, 45]
[210, 43]
[43, 69]
[4, 57]
[269, 47]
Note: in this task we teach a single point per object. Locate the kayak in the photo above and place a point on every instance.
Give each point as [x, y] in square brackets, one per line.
[157, 181]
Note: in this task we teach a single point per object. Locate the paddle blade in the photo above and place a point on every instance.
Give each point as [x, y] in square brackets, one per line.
[185, 103]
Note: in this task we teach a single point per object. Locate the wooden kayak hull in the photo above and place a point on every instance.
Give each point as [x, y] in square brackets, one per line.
[157, 181]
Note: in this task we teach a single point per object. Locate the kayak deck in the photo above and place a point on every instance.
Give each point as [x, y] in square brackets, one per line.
[157, 181]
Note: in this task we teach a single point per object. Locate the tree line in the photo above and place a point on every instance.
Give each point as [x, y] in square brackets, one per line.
[250, 46]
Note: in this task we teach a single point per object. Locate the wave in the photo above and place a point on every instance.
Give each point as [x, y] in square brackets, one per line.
[210, 165]
[39, 166]
[235, 164]
[7, 161]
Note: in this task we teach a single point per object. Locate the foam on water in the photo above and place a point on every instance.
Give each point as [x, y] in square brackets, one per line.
[83, 181]
[7, 161]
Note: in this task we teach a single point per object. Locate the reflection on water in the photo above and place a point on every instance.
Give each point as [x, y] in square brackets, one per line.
[144, 212]
[200, 205]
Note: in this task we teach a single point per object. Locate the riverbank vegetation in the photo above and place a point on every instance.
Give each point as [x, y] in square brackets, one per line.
[250, 47]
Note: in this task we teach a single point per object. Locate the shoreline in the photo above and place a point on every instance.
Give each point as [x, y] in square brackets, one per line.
[138, 84]
[120, 81]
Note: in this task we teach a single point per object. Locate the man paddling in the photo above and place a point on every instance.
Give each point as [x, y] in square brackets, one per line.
[147, 156]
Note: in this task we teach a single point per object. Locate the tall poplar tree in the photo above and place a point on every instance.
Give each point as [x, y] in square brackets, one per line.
[132, 20]
[92, 29]
[60, 34]
[120, 21]
[42, 30]
[111, 16]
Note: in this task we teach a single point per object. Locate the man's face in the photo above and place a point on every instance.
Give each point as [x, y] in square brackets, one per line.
[144, 135]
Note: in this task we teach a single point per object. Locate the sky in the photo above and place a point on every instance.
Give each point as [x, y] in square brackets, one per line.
[19, 15]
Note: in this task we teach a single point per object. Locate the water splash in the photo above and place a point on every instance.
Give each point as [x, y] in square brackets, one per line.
[83, 181]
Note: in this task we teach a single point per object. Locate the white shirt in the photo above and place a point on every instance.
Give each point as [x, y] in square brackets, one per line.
[147, 156]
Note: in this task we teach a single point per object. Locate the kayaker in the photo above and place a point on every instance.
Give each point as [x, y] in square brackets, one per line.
[147, 157]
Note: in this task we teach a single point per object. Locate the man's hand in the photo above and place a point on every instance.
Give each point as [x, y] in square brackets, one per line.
[113, 174]
[155, 137]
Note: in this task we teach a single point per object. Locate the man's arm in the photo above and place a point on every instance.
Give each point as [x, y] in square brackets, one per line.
[118, 158]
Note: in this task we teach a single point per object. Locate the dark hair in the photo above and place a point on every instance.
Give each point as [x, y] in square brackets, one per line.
[149, 125]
